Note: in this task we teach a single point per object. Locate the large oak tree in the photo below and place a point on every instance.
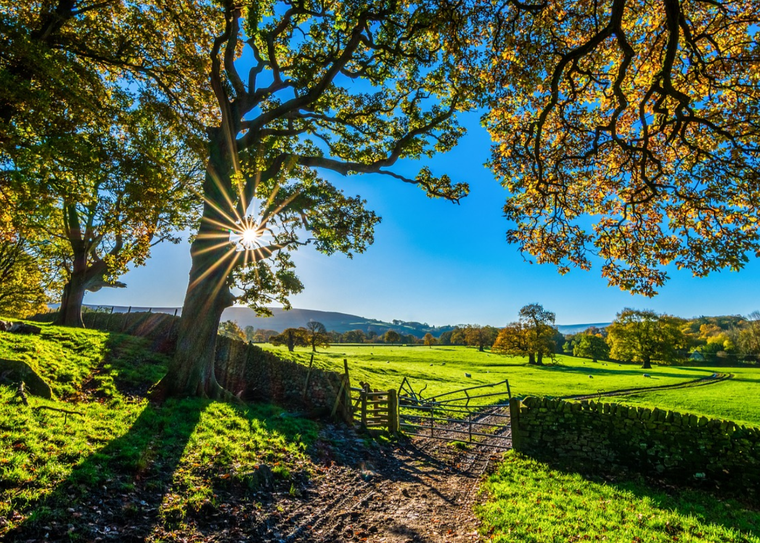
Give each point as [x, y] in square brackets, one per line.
[645, 336]
[345, 87]
[94, 127]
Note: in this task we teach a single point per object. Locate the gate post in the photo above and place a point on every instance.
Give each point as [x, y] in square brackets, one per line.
[393, 422]
[364, 391]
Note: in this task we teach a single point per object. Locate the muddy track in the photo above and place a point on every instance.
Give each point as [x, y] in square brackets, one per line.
[704, 381]
[418, 490]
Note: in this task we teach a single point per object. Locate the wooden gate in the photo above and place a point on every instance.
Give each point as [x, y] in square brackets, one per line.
[469, 414]
[375, 409]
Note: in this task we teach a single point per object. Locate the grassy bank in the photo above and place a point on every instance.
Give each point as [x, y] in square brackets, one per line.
[527, 501]
[154, 468]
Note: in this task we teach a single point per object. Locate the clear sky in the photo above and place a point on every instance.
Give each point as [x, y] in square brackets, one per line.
[440, 263]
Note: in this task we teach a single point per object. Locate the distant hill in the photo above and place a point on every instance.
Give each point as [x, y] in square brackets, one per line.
[569, 329]
[295, 318]
[340, 322]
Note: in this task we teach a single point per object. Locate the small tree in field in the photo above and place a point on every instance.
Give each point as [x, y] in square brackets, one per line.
[532, 336]
[391, 336]
[317, 335]
[480, 336]
[429, 340]
[292, 337]
[590, 346]
[644, 336]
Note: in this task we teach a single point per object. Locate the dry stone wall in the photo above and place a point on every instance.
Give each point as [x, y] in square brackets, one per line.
[684, 448]
[255, 374]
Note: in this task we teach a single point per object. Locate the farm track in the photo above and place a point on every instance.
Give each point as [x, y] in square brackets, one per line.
[704, 381]
[420, 490]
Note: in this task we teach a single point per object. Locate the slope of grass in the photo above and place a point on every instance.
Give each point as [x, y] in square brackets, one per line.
[443, 369]
[174, 459]
[529, 502]
[734, 399]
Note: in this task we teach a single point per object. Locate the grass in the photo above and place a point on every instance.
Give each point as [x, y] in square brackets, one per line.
[176, 459]
[527, 502]
[443, 369]
[166, 466]
[734, 399]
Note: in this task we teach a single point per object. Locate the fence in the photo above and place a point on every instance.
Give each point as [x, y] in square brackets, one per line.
[376, 409]
[455, 415]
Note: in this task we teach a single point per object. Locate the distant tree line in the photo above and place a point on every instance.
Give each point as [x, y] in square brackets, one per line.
[636, 336]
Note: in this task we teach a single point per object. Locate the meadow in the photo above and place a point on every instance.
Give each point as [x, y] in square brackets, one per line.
[443, 368]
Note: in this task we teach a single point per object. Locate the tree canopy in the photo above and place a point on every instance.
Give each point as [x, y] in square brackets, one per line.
[645, 336]
[348, 87]
[628, 130]
[101, 123]
[532, 335]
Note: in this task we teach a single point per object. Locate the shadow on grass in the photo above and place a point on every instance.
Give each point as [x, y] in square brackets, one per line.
[116, 493]
[614, 369]
[626, 504]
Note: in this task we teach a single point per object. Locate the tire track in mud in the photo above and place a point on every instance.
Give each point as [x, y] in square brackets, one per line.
[419, 490]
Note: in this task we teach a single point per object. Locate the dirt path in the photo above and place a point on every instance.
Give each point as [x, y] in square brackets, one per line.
[416, 491]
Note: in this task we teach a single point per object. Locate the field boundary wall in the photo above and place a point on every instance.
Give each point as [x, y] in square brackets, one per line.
[684, 448]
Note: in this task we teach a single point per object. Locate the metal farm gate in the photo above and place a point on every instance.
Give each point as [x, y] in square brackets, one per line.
[473, 414]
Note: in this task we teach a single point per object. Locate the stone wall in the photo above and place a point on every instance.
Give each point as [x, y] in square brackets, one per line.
[255, 374]
[684, 448]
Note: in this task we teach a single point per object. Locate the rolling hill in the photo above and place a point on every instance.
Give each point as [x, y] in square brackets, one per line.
[340, 322]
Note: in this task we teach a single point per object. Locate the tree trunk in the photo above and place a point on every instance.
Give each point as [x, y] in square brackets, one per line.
[647, 365]
[540, 359]
[70, 311]
[531, 358]
[191, 370]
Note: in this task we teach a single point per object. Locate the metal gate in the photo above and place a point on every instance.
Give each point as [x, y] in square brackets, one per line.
[471, 414]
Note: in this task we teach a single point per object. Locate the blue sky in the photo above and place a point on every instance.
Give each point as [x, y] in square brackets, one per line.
[441, 263]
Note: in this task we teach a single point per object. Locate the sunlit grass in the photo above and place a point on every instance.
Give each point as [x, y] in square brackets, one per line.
[734, 399]
[443, 369]
[528, 502]
[186, 450]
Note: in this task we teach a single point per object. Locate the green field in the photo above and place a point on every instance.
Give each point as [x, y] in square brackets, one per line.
[443, 369]
[529, 502]
[735, 399]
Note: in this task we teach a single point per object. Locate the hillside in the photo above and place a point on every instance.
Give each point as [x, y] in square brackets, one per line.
[339, 322]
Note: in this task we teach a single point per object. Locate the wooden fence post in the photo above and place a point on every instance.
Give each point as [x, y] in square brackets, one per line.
[365, 390]
[393, 422]
[308, 376]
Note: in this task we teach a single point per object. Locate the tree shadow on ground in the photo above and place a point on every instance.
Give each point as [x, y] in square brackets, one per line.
[709, 506]
[622, 370]
[116, 493]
